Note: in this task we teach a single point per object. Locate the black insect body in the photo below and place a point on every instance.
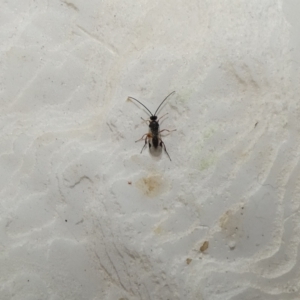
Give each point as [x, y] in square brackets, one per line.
[153, 137]
[154, 127]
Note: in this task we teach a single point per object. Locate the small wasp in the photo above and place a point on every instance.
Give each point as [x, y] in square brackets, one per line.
[154, 133]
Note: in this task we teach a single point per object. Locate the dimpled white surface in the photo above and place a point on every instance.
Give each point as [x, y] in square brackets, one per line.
[84, 215]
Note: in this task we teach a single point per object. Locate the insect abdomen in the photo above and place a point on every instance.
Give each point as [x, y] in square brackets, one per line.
[155, 142]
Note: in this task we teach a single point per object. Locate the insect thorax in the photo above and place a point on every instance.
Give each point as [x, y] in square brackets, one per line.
[154, 126]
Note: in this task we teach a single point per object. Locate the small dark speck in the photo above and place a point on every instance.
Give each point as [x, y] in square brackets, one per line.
[255, 124]
[66, 220]
[129, 182]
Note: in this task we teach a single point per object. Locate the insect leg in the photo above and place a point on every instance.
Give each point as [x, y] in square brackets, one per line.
[167, 130]
[141, 137]
[163, 144]
[162, 116]
[145, 120]
[146, 140]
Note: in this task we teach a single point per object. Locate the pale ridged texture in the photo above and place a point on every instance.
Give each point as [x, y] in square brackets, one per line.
[84, 215]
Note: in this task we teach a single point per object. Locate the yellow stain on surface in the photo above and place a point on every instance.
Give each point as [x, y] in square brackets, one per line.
[204, 246]
[158, 230]
[231, 222]
[152, 185]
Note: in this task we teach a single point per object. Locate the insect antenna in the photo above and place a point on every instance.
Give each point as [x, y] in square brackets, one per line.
[141, 104]
[163, 102]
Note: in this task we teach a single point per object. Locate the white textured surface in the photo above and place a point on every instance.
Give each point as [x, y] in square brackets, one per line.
[71, 224]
